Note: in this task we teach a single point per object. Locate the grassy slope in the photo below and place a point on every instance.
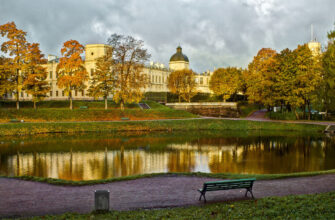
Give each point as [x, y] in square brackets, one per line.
[56, 111]
[186, 125]
[198, 174]
[318, 206]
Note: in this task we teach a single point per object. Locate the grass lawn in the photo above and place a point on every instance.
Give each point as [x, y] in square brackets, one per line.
[318, 206]
[168, 125]
[54, 111]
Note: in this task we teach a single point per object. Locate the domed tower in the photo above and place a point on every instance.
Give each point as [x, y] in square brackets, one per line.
[179, 61]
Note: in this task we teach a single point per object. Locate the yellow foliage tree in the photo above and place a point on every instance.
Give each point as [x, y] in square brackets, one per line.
[259, 77]
[71, 71]
[103, 78]
[35, 82]
[128, 62]
[225, 82]
[16, 47]
[182, 83]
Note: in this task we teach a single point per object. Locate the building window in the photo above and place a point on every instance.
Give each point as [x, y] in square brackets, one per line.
[56, 75]
[153, 78]
[50, 74]
[63, 93]
[159, 79]
[21, 94]
[75, 93]
[82, 93]
[56, 93]
[50, 93]
[201, 80]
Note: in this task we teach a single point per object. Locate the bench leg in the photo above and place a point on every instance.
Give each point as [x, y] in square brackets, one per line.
[202, 195]
[249, 190]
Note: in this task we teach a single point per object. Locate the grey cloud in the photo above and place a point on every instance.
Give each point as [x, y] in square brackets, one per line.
[212, 33]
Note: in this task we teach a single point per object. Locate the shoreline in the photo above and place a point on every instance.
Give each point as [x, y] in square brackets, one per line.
[20, 129]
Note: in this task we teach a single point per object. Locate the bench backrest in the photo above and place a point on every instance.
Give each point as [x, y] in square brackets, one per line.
[228, 184]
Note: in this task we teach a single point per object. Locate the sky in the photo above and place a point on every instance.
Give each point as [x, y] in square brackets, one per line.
[212, 33]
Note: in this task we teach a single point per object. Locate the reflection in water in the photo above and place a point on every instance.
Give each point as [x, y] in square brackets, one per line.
[101, 157]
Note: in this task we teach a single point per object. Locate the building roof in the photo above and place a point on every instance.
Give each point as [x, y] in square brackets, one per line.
[179, 56]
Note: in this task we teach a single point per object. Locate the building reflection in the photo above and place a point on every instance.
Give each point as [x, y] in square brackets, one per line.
[215, 155]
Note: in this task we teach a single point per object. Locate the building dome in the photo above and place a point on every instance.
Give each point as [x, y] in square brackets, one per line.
[179, 56]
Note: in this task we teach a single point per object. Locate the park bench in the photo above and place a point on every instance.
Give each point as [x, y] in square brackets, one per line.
[83, 107]
[226, 185]
[14, 120]
[124, 119]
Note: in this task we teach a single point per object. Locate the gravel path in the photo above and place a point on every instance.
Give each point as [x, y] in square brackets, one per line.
[26, 198]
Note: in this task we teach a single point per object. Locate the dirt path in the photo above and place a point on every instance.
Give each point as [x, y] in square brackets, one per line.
[26, 198]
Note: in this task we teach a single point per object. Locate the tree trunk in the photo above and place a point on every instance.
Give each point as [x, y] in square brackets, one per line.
[309, 111]
[35, 105]
[296, 114]
[106, 107]
[70, 96]
[17, 100]
[122, 105]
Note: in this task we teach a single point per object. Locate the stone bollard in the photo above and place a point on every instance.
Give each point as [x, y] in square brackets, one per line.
[101, 200]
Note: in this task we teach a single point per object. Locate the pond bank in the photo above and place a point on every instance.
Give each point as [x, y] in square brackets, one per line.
[33, 198]
[155, 125]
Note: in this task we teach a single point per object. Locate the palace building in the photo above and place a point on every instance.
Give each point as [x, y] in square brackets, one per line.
[156, 72]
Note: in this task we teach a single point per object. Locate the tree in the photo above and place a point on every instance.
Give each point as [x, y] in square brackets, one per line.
[327, 95]
[5, 75]
[284, 80]
[129, 57]
[175, 83]
[16, 47]
[35, 82]
[225, 82]
[103, 78]
[182, 83]
[260, 77]
[71, 71]
[188, 85]
[308, 77]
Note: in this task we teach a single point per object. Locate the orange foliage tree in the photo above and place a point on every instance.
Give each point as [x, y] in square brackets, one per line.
[35, 82]
[182, 83]
[16, 47]
[225, 82]
[71, 71]
[129, 57]
[103, 78]
[259, 77]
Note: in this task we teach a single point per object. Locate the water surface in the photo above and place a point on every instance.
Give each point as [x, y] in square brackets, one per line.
[100, 156]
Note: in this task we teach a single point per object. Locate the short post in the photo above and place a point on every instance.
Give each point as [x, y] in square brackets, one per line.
[101, 200]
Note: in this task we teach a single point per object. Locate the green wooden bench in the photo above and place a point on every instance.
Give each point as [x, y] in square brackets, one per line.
[83, 107]
[226, 185]
[124, 119]
[14, 120]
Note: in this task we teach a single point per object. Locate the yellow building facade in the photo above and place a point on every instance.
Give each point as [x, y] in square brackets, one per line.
[157, 74]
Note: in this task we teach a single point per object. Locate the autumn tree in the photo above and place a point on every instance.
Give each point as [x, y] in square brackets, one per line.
[71, 71]
[188, 86]
[327, 95]
[182, 83]
[35, 82]
[16, 48]
[259, 78]
[5, 75]
[103, 78]
[129, 57]
[308, 77]
[225, 82]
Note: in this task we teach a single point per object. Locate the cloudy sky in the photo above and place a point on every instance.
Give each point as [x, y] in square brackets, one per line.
[212, 33]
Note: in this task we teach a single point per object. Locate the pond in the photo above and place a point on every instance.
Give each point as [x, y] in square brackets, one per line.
[92, 156]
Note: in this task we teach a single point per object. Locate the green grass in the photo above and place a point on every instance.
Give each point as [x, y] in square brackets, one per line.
[95, 113]
[162, 125]
[196, 174]
[246, 109]
[317, 206]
